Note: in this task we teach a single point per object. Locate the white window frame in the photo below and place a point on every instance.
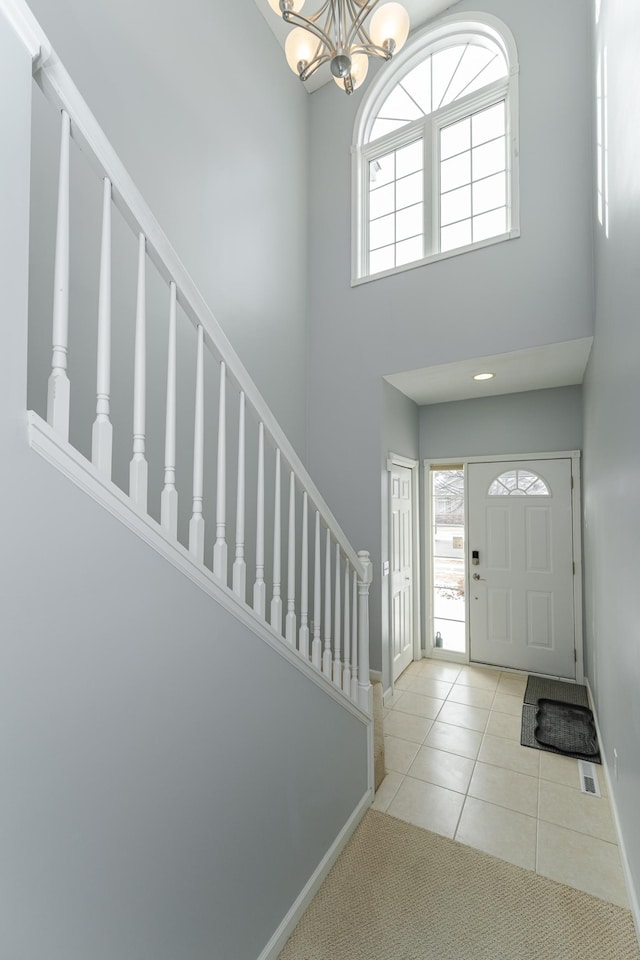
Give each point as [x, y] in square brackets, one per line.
[449, 31]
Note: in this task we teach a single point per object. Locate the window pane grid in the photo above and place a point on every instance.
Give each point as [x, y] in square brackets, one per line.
[473, 184]
[396, 211]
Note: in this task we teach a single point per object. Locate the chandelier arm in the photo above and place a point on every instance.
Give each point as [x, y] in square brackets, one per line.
[360, 16]
[296, 19]
[371, 50]
[313, 66]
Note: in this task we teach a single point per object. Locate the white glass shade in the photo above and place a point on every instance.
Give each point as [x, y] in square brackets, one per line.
[390, 22]
[300, 45]
[275, 6]
[359, 70]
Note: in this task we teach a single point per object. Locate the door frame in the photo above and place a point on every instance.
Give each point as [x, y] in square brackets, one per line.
[397, 460]
[575, 456]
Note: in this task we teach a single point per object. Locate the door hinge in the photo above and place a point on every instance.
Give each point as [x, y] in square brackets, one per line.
[574, 568]
[572, 481]
[575, 655]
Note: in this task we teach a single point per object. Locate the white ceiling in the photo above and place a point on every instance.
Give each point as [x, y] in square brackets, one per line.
[538, 368]
[419, 12]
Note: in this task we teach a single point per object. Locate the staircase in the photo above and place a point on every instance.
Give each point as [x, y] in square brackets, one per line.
[202, 581]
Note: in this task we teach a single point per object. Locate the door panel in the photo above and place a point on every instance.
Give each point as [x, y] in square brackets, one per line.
[401, 569]
[521, 605]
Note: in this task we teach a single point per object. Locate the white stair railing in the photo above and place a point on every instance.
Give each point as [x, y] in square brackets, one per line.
[345, 616]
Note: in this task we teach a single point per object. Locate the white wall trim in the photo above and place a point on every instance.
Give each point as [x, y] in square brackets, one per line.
[308, 892]
[44, 440]
[634, 902]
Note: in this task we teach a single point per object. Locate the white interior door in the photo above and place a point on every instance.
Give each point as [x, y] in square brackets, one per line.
[401, 569]
[521, 611]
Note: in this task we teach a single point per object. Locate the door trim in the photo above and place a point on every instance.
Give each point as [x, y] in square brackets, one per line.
[576, 506]
[395, 459]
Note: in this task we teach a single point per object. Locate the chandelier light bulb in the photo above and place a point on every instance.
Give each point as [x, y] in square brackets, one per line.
[300, 47]
[390, 27]
[294, 5]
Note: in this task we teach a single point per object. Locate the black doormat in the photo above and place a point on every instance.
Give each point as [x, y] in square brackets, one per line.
[547, 688]
[528, 737]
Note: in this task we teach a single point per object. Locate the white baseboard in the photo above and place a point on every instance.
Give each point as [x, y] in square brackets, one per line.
[634, 903]
[276, 943]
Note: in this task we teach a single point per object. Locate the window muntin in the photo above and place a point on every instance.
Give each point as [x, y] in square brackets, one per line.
[396, 208]
[441, 78]
[519, 483]
[457, 71]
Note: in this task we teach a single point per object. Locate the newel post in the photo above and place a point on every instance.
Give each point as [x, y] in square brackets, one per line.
[365, 690]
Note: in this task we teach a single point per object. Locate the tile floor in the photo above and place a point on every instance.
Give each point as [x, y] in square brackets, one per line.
[455, 766]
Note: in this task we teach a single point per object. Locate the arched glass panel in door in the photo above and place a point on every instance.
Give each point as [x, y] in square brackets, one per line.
[519, 483]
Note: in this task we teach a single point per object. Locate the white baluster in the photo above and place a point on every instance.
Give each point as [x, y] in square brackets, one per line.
[337, 604]
[303, 633]
[196, 524]
[326, 653]
[239, 580]
[290, 621]
[220, 546]
[365, 690]
[102, 433]
[316, 645]
[58, 386]
[138, 470]
[346, 673]
[276, 600]
[354, 641]
[259, 589]
[169, 496]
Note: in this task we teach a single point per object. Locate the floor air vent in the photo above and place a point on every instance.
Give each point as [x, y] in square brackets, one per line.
[588, 778]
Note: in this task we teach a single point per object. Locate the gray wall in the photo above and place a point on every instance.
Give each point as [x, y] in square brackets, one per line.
[170, 783]
[612, 447]
[526, 292]
[535, 421]
[218, 147]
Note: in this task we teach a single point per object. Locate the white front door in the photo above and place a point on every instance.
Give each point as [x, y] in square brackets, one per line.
[401, 569]
[521, 612]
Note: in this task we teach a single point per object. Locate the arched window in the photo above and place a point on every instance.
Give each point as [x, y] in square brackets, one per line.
[435, 149]
[519, 483]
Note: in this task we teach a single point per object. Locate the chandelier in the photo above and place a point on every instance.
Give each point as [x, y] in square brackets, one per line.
[341, 34]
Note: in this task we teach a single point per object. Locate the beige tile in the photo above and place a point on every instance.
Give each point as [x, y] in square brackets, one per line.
[506, 788]
[443, 768]
[419, 706]
[427, 805]
[570, 808]
[583, 862]
[560, 769]
[513, 684]
[429, 687]
[399, 754]
[387, 791]
[403, 681]
[439, 670]
[463, 742]
[472, 696]
[509, 754]
[504, 725]
[505, 703]
[406, 726]
[460, 715]
[475, 677]
[502, 833]
[393, 699]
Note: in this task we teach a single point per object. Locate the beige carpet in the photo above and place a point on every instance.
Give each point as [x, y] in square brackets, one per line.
[378, 736]
[398, 892]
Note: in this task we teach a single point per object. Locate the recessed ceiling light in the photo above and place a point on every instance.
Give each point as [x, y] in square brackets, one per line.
[483, 376]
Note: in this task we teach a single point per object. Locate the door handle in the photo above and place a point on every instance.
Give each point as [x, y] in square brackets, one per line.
[477, 576]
